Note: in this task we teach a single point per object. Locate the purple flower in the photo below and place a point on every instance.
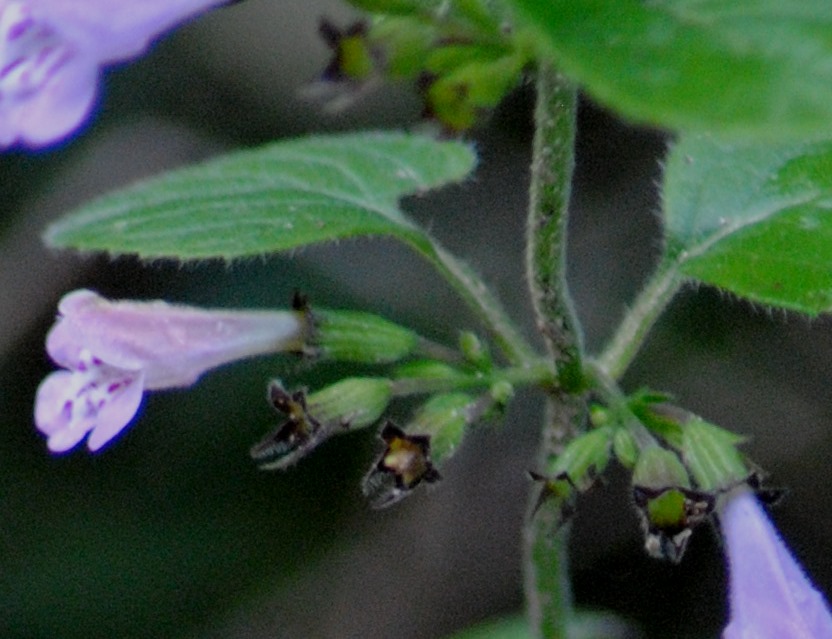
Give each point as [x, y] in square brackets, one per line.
[113, 351]
[770, 595]
[51, 50]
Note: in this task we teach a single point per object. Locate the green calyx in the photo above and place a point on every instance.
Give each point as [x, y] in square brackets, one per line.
[574, 470]
[659, 467]
[444, 419]
[310, 419]
[354, 402]
[625, 447]
[354, 336]
[584, 458]
[711, 454]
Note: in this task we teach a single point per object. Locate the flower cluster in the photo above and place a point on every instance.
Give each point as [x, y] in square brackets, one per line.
[51, 52]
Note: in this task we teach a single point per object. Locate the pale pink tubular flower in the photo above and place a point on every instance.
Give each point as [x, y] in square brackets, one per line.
[112, 351]
[51, 52]
[770, 596]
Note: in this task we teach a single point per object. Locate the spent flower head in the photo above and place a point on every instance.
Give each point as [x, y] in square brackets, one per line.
[112, 351]
[309, 419]
[770, 595]
[51, 52]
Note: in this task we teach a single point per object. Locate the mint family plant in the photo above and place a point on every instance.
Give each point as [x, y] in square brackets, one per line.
[745, 89]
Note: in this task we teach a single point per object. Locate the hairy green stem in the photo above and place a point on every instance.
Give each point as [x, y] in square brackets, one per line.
[549, 191]
[632, 331]
[480, 299]
[548, 591]
[432, 350]
[530, 374]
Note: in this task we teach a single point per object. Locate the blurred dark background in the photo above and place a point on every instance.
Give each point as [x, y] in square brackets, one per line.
[173, 532]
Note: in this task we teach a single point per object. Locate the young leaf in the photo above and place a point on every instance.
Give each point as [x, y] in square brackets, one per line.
[745, 67]
[753, 219]
[274, 198]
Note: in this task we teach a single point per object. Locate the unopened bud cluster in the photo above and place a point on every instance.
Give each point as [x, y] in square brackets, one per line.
[463, 57]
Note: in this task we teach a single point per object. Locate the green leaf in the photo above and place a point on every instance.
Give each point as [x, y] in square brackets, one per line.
[745, 67]
[753, 219]
[274, 198]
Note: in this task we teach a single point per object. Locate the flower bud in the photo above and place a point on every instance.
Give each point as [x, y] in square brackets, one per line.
[474, 350]
[668, 507]
[501, 392]
[348, 404]
[599, 415]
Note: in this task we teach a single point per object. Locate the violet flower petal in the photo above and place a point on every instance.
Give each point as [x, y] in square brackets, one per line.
[115, 415]
[770, 595]
[114, 350]
[119, 30]
[69, 405]
[51, 51]
[172, 344]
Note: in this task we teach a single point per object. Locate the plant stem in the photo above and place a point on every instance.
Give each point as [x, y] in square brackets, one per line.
[548, 589]
[537, 374]
[480, 299]
[637, 322]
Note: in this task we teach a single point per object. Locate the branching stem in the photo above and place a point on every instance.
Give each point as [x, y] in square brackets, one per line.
[537, 374]
[637, 322]
[548, 589]
[470, 287]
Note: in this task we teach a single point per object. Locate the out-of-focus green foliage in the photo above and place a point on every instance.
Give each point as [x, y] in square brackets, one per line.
[753, 68]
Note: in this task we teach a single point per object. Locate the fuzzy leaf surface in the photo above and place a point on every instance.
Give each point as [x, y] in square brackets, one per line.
[753, 219]
[748, 68]
[277, 197]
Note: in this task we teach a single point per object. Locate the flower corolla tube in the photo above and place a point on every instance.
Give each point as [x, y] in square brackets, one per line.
[769, 594]
[112, 351]
[51, 52]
